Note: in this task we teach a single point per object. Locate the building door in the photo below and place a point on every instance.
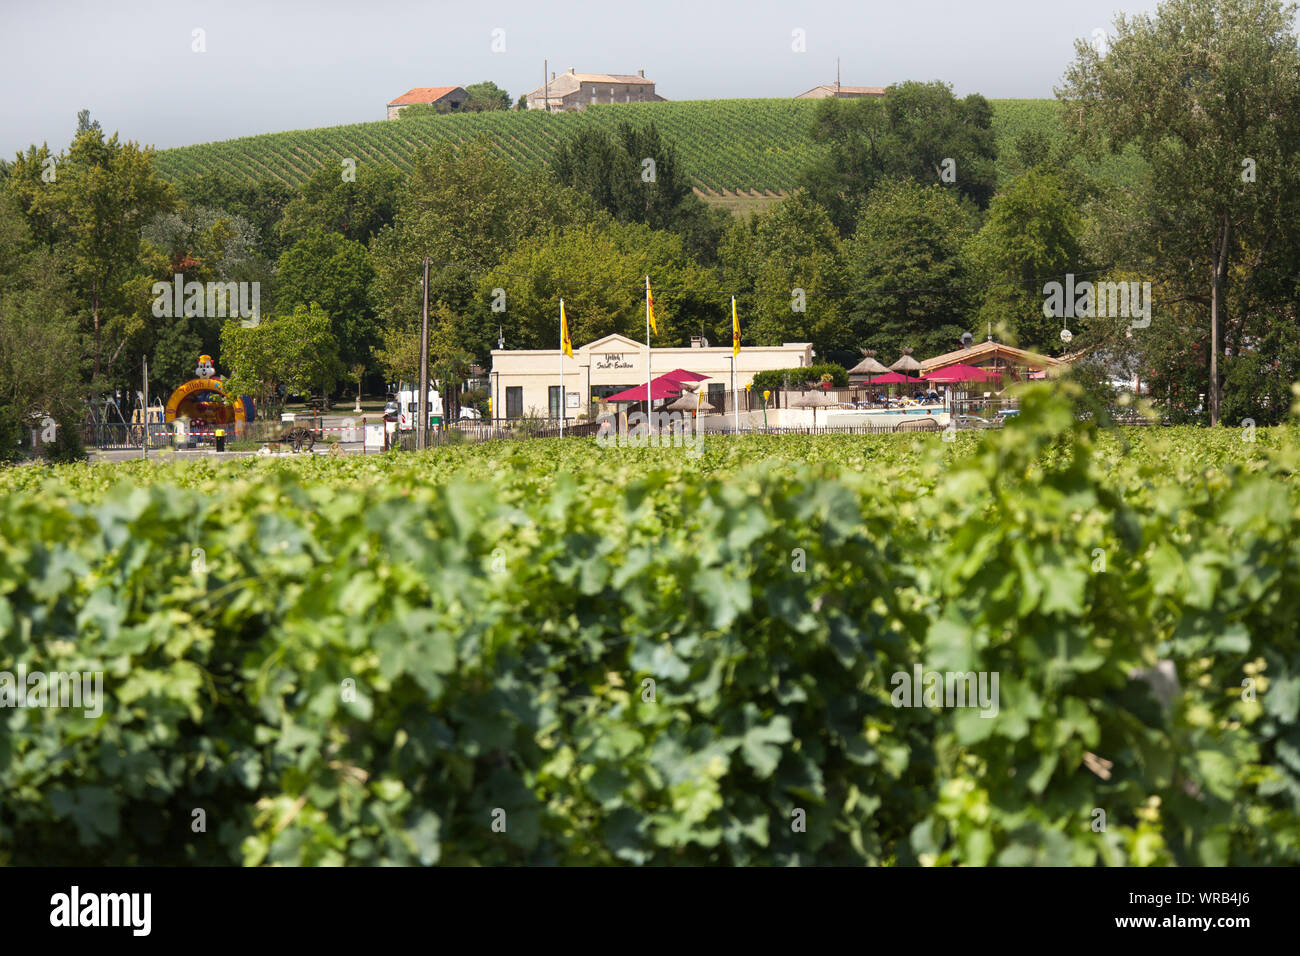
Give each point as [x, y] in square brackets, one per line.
[514, 401]
[718, 396]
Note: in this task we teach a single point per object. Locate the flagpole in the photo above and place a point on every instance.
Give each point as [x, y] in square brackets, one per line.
[735, 398]
[561, 371]
[735, 405]
[649, 416]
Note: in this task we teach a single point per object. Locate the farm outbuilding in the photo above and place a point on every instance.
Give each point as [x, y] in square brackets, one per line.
[453, 97]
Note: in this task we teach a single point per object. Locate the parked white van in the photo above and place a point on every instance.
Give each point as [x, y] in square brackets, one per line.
[409, 402]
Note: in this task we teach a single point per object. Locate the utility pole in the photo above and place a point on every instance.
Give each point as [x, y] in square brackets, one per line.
[546, 86]
[146, 406]
[422, 423]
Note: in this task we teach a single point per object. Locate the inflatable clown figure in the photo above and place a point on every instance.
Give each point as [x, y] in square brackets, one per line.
[204, 403]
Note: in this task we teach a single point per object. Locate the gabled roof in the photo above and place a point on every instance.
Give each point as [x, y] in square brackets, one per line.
[567, 83]
[423, 94]
[829, 89]
[988, 350]
[614, 338]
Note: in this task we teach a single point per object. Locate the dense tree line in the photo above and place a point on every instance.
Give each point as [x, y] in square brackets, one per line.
[900, 236]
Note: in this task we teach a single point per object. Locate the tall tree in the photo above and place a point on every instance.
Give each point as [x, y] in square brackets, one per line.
[262, 203]
[905, 269]
[787, 263]
[1210, 92]
[38, 335]
[291, 353]
[1032, 235]
[465, 209]
[355, 207]
[636, 175]
[95, 201]
[486, 96]
[917, 131]
[599, 270]
[335, 273]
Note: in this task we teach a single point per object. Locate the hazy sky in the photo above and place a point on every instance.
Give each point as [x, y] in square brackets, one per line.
[297, 64]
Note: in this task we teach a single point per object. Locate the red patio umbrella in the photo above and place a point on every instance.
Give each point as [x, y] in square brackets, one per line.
[681, 375]
[890, 378]
[961, 372]
[658, 389]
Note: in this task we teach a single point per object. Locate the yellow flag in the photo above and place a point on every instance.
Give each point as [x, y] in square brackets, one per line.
[566, 344]
[650, 307]
[735, 329]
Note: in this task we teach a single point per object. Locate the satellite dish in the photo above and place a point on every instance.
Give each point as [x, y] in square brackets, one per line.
[704, 343]
[966, 340]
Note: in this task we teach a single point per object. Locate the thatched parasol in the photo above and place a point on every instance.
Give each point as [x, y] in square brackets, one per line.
[687, 403]
[906, 363]
[868, 366]
[813, 400]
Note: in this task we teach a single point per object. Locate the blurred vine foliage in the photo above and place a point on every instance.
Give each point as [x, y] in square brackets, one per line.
[499, 609]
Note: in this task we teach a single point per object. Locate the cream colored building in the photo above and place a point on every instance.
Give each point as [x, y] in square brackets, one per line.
[527, 382]
[576, 91]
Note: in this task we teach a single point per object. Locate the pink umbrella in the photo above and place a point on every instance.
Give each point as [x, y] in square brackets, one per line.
[681, 375]
[658, 389]
[890, 378]
[961, 372]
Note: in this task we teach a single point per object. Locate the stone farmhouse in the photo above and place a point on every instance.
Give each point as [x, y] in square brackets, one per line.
[834, 90]
[453, 96]
[576, 91]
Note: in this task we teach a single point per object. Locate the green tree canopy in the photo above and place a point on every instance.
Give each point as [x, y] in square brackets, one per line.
[1209, 90]
[466, 209]
[92, 204]
[1031, 236]
[356, 208]
[637, 175]
[910, 133]
[905, 270]
[789, 256]
[39, 341]
[486, 96]
[600, 273]
[293, 351]
[326, 269]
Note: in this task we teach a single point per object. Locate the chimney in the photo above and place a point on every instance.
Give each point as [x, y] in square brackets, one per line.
[570, 69]
[552, 74]
[640, 73]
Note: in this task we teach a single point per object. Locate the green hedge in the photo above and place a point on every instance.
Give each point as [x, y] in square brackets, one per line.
[498, 633]
[797, 377]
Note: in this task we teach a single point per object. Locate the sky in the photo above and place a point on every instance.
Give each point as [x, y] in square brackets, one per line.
[271, 65]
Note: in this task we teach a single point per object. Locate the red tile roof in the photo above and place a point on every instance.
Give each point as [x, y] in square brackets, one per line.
[423, 94]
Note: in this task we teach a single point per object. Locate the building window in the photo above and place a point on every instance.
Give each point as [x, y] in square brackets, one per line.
[555, 400]
[718, 396]
[514, 401]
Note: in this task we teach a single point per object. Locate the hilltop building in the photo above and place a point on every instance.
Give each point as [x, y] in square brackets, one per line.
[453, 96]
[836, 91]
[576, 91]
